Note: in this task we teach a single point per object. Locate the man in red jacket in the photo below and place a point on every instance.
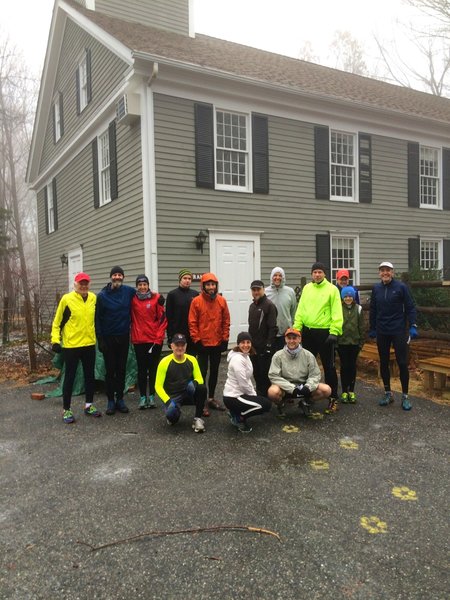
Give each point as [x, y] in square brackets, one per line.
[209, 327]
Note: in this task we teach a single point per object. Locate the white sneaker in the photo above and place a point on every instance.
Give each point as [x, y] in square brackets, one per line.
[198, 425]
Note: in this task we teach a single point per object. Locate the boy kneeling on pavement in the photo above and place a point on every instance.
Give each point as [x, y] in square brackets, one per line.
[179, 381]
[294, 373]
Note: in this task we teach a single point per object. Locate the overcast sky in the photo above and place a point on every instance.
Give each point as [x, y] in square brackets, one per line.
[280, 26]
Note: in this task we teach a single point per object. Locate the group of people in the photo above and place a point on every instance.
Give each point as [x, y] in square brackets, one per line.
[278, 351]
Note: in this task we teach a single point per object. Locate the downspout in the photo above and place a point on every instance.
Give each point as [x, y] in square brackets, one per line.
[149, 180]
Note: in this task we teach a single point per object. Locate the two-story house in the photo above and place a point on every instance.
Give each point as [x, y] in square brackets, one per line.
[156, 149]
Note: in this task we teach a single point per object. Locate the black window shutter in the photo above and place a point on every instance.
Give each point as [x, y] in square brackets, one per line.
[323, 252]
[446, 178]
[365, 168]
[61, 115]
[113, 160]
[322, 162]
[413, 252]
[204, 145]
[413, 175]
[88, 75]
[46, 209]
[260, 149]
[446, 257]
[95, 173]
[77, 79]
[55, 204]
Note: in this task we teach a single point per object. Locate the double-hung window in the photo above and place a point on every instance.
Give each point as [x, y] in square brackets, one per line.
[345, 255]
[429, 177]
[342, 166]
[431, 258]
[58, 125]
[232, 150]
[104, 168]
[83, 80]
[50, 209]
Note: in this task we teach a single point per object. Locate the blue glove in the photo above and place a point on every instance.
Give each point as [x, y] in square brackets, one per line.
[372, 334]
[413, 333]
[172, 411]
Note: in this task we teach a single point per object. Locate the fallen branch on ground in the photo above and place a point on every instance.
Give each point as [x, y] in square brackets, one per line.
[181, 531]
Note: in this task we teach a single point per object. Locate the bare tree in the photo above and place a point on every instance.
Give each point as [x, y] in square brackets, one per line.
[16, 103]
[439, 9]
[348, 53]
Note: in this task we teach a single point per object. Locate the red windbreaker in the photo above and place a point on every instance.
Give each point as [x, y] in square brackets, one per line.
[148, 320]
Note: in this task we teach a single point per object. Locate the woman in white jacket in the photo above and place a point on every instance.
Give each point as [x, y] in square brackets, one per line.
[239, 395]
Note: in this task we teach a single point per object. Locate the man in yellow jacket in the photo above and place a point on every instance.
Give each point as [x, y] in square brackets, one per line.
[319, 318]
[73, 334]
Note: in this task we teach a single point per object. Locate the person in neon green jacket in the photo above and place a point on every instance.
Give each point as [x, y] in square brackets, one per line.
[319, 318]
[73, 334]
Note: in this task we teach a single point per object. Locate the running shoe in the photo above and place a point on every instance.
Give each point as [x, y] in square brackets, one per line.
[151, 401]
[68, 416]
[351, 398]
[91, 411]
[244, 427]
[387, 399]
[198, 425]
[406, 404]
[345, 398]
[121, 406]
[332, 406]
[142, 402]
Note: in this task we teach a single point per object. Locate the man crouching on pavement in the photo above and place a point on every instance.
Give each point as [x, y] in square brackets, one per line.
[294, 373]
[179, 382]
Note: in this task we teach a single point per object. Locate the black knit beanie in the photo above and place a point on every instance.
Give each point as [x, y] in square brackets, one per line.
[244, 335]
[318, 265]
[116, 270]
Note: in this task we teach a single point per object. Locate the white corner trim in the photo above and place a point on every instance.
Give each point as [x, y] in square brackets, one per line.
[191, 9]
[90, 4]
[149, 185]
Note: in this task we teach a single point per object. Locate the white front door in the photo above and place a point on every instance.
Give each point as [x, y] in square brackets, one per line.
[75, 260]
[235, 261]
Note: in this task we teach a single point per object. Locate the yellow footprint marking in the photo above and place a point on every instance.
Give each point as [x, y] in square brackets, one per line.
[348, 444]
[373, 524]
[319, 465]
[291, 429]
[316, 416]
[404, 493]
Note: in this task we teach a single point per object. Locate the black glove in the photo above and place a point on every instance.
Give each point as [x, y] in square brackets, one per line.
[301, 391]
[224, 346]
[267, 352]
[56, 348]
[161, 300]
[101, 345]
[331, 339]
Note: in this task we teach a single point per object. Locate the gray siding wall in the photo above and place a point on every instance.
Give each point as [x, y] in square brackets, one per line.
[172, 15]
[290, 216]
[110, 235]
[107, 74]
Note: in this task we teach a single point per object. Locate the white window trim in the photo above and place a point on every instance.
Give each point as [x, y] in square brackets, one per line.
[82, 91]
[102, 200]
[429, 238]
[235, 188]
[355, 197]
[57, 117]
[50, 208]
[353, 236]
[438, 206]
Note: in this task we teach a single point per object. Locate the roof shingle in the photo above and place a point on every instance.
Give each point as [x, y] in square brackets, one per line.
[267, 67]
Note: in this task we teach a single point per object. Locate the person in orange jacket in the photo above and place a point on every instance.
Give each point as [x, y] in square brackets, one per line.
[209, 328]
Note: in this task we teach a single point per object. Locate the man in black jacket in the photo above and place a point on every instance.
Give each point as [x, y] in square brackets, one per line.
[178, 303]
[262, 326]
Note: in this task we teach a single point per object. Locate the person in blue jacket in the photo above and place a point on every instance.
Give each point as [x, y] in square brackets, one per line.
[392, 312]
[112, 325]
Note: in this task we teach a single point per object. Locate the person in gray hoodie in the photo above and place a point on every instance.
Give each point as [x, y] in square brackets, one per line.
[294, 373]
[284, 299]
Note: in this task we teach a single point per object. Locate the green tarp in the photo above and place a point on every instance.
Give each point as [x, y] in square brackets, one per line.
[78, 386]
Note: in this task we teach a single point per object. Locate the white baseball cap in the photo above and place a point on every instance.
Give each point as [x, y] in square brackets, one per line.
[387, 264]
